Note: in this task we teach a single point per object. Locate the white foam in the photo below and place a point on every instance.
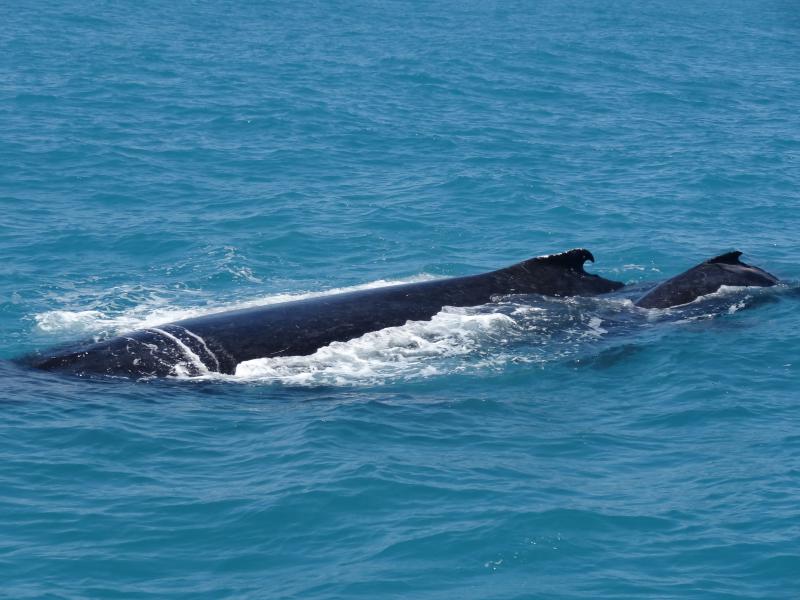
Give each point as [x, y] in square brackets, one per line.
[60, 320]
[595, 326]
[413, 350]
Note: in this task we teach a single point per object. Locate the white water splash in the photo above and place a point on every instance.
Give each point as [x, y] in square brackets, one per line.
[66, 320]
[415, 349]
[595, 326]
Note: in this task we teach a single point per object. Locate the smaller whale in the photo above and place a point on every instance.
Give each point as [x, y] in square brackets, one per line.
[218, 342]
[706, 278]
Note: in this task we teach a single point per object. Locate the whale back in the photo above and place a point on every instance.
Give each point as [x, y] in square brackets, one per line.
[217, 342]
[706, 278]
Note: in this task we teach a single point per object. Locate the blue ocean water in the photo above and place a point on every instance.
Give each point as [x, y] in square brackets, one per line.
[160, 160]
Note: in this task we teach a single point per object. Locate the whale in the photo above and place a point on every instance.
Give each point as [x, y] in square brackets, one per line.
[218, 342]
[706, 278]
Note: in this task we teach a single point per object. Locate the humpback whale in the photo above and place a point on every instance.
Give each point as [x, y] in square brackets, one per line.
[218, 342]
[706, 278]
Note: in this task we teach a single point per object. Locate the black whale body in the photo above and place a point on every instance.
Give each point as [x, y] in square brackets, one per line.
[218, 342]
[706, 278]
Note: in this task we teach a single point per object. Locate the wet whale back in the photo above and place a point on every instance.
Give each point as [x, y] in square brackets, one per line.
[706, 278]
[218, 342]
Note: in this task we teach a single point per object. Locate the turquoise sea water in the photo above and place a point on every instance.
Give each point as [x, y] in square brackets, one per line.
[160, 160]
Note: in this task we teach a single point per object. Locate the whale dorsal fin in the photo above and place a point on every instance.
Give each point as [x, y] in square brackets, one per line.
[555, 275]
[729, 258]
[571, 259]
